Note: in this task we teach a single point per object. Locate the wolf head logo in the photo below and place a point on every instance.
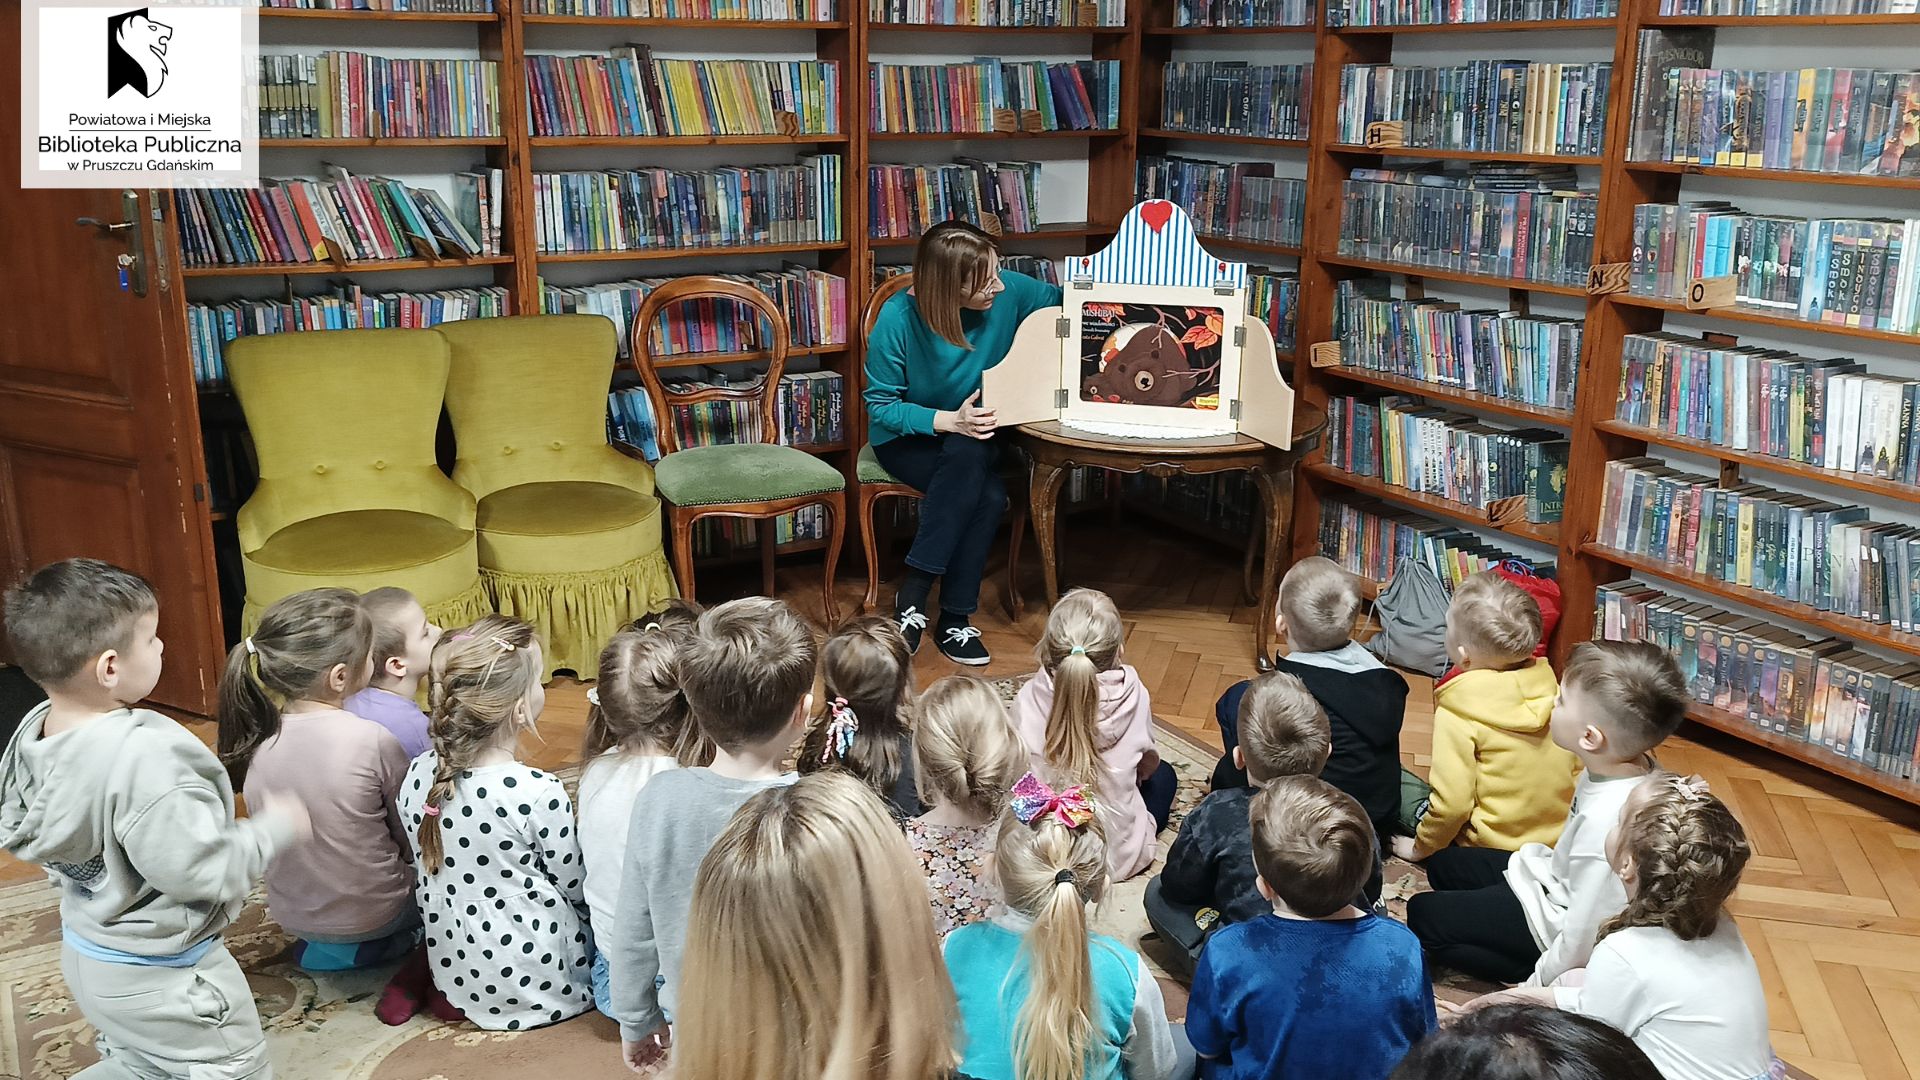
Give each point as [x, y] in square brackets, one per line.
[136, 52]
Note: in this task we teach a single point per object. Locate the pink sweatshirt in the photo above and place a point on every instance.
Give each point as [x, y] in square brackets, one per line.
[1123, 736]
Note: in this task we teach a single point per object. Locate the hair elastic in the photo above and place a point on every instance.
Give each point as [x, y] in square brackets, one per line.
[1064, 877]
[248, 642]
[593, 696]
[430, 810]
[1077, 650]
[842, 726]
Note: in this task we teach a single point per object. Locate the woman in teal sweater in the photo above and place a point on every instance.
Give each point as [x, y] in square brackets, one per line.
[924, 359]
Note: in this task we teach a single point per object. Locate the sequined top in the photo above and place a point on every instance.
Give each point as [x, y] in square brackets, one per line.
[954, 858]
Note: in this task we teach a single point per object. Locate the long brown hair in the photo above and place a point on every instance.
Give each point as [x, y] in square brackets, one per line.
[954, 261]
[482, 673]
[1082, 639]
[866, 664]
[1050, 872]
[299, 640]
[637, 697]
[966, 752]
[802, 962]
[1688, 851]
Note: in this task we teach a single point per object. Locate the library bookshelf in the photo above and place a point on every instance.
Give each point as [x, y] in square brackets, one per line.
[1147, 41]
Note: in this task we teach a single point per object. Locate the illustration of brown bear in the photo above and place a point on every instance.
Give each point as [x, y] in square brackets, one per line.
[1152, 368]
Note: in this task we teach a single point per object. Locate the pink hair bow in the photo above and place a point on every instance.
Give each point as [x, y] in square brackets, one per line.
[1033, 799]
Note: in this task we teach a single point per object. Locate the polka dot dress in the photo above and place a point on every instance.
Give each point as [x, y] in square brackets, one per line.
[506, 923]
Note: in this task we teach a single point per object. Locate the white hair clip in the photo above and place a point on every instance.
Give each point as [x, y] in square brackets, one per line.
[593, 696]
[251, 651]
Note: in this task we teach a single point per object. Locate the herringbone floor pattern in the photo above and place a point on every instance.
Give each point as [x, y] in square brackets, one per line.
[1831, 902]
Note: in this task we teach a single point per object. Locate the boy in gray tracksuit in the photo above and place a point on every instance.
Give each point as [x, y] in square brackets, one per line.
[133, 817]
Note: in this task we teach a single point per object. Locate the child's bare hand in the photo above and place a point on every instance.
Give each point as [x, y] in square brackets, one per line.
[282, 804]
[645, 1054]
[1403, 848]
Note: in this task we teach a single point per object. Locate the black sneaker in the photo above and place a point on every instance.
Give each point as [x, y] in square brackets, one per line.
[960, 643]
[913, 623]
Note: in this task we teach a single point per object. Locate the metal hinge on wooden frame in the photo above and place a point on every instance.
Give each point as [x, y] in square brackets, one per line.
[1063, 327]
[1060, 398]
[1240, 336]
[1233, 408]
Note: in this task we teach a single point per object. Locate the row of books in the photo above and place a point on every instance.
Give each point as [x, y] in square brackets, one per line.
[1435, 12]
[992, 14]
[731, 206]
[435, 6]
[1369, 538]
[714, 10]
[904, 200]
[356, 95]
[1862, 272]
[1241, 200]
[1497, 106]
[720, 537]
[631, 93]
[1805, 550]
[1407, 443]
[809, 411]
[813, 301]
[1047, 270]
[354, 217]
[1788, 7]
[1835, 120]
[1074, 95]
[1823, 692]
[1231, 97]
[1243, 13]
[1451, 221]
[1831, 414]
[1503, 353]
[345, 307]
[1273, 297]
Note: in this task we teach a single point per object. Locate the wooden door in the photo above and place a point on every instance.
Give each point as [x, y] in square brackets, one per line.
[99, 429]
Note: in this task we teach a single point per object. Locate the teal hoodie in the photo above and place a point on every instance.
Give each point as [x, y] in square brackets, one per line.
[913, 372]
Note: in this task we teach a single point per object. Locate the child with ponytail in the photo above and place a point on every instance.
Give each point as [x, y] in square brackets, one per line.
[500, 869]
[867, 673]
[1041, 996]
[347, 897]
[966, 756]
[638, 726]
[1671, 971]
[1086, 720]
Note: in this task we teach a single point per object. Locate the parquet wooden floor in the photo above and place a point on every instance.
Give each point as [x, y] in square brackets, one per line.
[1831, 902]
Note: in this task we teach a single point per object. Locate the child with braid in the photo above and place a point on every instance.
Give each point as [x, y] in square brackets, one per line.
[867, 673]
[500, 869]
[1670, 971]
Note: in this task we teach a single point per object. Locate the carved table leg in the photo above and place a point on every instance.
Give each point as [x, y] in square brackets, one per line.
[1246, 567]
[1043, 498]
[1276, 493]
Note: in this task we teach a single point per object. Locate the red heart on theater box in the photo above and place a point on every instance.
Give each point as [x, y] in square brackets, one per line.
[1156, 214]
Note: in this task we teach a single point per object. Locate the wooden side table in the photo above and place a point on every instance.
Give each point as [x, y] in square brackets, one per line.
[1054, 449]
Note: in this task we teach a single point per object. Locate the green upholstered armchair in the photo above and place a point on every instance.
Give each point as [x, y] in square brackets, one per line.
[761, 480]
[569, 526]
[343, 424]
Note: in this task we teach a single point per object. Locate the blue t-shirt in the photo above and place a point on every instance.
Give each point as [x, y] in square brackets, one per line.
[913, 372]
[990, 982]
[1339, 999]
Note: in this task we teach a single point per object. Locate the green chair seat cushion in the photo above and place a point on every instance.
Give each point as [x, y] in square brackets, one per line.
[361, 542]
[563, 508]
[742, 473]
[870, 469]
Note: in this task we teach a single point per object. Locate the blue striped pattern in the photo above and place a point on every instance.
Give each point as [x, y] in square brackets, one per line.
[1171, 257]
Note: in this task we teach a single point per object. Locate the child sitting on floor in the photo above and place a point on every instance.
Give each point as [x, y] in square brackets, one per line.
[1040, 994]
[1315, 987]
[133, 817]
[638, 726]
[1498, 779]
[1365, 701]
[1209, 880]
[867, 674]
[966, 757]
[1525, 1042]
[1086, 720]
[346, 899]
[1670, 970]
[499, 861]
[1532, 915]
[403, 642]
[748, 676]
[802, 962]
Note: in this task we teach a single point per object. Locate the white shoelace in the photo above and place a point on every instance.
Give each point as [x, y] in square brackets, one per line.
[960, 635]
[913, 619]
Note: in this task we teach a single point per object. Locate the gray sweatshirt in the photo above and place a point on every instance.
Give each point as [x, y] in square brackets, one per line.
[134, 817]
[676, 819]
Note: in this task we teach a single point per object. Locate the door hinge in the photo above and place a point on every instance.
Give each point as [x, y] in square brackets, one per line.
[1082, 283]
[1226, 288]
[1233, 408]
[1062, 327]
[1060, 398]
[1240, 336]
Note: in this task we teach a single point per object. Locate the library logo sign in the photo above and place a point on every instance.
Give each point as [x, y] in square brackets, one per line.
[115, 96]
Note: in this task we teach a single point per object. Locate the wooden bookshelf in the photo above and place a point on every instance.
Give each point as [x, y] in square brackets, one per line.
[1454, 395]
[671, 141]
[382, 144]
[1852, 481]
[1190, 31]
[276, 269]
[661, 253]
[1465, 155]
[1788, 176]
[1890, 19]
[1819, 757]
[1465, 277]
[381, 16]
[1258, 247]
[991, 136]
[1502, 27]
[1546, 535]
[997, 31]
[1221, 137]
[690, 24]
[1763, 317]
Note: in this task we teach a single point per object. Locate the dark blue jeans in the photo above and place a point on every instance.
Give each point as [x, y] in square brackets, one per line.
[963, 497]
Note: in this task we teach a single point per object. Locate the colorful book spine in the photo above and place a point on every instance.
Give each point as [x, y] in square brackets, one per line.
[1369, 538]
[430, 6]
[355, 95]
[1273, 297]
[904, 200]
[1435, 12]
[346, 217]
[1457, 222]
[1220, 97]
[1491, 106]
[1239, 200]
[1741, 119]
[345, 307]
[1406, 443]
[705, 10]
[997, 13]
[1243, 14]
[1500, 353]
[990, 94]
[730, 206]
[1047, 270]
[813, 301]
[1765, 8]
[810, 410]
[631, 93]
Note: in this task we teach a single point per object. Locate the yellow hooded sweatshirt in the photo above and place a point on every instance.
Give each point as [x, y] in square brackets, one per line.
[1498, 779]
